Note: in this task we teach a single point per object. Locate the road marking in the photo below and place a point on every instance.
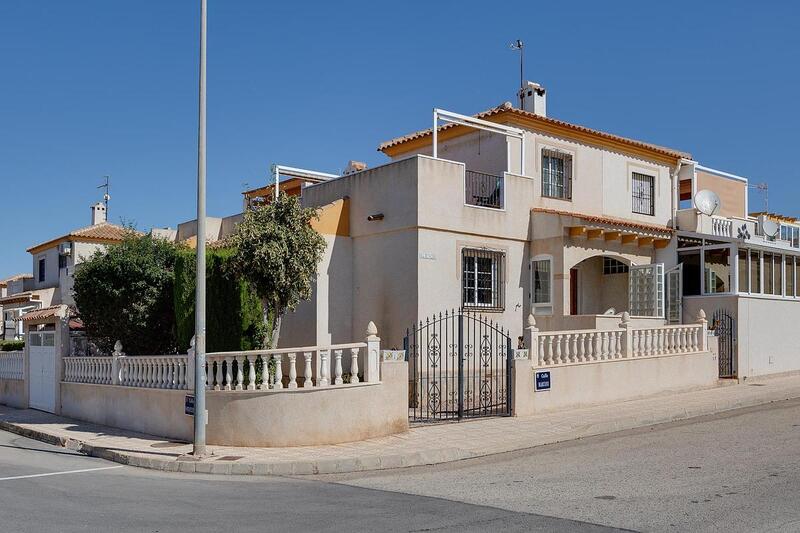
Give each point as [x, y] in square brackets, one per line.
[59, 473]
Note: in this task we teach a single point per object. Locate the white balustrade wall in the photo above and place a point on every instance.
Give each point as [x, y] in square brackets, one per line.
[318, 366]
[554, 348]
[12, 365]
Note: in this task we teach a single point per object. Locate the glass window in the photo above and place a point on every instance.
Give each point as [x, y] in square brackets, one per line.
[769, 278]
[482, 278]
[613, 266]
[789, 276]
[744, 272]
[542, 290]
[717, 270]
[556, 174]
[42, 265]
[643, 187]
[755, 272]
[691, 272]
[646, 290]
[778, 266]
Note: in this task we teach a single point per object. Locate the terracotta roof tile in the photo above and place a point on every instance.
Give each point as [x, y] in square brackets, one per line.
[54, 311]
[608, 220]
[509, 109]
[104, 231]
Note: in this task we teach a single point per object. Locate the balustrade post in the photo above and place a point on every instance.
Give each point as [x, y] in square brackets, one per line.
[307, 381]
[217, 372]
[240, 372]
[337, 354]
[354, 365]
[278, 384]
[701, 319]
[292, 370]
[251, 372]
[324, 368]
[372, 364]
[228, 373]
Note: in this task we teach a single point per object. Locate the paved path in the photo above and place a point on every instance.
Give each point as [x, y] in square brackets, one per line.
[47, 488]
[420, 446]
[736, 471]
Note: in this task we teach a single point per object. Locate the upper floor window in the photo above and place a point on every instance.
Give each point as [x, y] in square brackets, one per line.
[62, 261]
[556, 174]
[42, 265]
[791, 234]
[643, 187]
[482, 279]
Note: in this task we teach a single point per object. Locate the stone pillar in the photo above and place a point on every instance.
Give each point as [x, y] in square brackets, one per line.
[531, 338]
[372, 359]
[627, 335]
[115, 355]
[701, 319]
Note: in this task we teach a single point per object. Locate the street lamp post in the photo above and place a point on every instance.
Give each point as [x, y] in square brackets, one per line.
[200, 296]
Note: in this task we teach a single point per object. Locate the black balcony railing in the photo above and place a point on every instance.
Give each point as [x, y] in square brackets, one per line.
[483, 190]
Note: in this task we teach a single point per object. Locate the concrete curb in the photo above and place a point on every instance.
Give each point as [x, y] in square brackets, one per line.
[445, 454]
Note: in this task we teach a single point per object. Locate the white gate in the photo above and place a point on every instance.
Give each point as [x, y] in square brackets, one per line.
[646, 290]
[675, 294]
[42, 350]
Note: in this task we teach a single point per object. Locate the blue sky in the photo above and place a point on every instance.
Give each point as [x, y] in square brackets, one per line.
[96, 87]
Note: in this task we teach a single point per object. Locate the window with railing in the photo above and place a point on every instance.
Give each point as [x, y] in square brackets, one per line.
[482, 278]
[483, 190]
[643, 188]
[556, 174]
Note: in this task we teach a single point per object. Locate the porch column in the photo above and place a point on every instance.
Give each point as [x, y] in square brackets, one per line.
[701, 319]
[627, 335]
[531, 338]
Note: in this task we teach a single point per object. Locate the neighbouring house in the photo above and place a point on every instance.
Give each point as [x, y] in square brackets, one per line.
[55, 261]
[14, 303]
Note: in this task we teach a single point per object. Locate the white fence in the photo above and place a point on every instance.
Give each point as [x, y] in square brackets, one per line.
[554, 348]
[12, 365]
[318, 366]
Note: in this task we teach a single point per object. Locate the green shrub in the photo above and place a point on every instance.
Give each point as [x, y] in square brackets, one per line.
[11, 345]
[125, 293]
[233, 312]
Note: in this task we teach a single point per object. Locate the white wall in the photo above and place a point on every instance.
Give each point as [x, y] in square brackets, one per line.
[767, 341]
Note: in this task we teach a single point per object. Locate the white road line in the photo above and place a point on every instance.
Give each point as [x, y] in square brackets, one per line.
[59, 473]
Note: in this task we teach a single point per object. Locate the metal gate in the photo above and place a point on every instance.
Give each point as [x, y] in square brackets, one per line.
[459, 366]
[725, 328]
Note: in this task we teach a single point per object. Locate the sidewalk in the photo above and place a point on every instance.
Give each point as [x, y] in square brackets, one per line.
[420, 446]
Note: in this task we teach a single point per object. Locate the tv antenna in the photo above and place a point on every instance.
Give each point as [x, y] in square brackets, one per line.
[107, 187]
[519, 45]
[763, 189]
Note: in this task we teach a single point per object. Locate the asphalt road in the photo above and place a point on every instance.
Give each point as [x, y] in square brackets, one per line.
[45, 488]
[738, 471]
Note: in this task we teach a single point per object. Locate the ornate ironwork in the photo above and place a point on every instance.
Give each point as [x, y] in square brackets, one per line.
[459, 366]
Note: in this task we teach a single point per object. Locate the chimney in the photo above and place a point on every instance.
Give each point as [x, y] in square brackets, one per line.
[534, 98]
[98, 213]
[353, 167]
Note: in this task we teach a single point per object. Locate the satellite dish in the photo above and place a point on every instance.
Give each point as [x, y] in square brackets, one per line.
[707, 202]
[768, 226]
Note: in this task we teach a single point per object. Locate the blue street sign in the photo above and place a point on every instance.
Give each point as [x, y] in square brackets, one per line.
[188, 405]
[542, 381]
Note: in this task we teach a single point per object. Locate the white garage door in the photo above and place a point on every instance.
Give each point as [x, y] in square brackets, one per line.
[43, 370]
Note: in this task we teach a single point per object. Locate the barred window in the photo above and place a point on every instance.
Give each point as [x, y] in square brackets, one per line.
[643, 187]
[556, 174]
[613, 266]
[483, 279]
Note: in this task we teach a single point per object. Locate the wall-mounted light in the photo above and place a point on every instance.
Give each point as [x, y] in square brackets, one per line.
[376, 216]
